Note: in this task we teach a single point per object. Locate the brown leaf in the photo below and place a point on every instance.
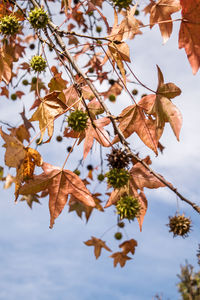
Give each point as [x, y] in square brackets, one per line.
[160, 12]
[5, 66]
[15, 151]
[30, 199]
[98, 245]
[121, 258]
[143, 204]
[64, 182]
[57, 83]
[133, 119]
[141, 177]
[161, 107]
[49, 108]
[189, 32]
[98, 133]
[128, 246]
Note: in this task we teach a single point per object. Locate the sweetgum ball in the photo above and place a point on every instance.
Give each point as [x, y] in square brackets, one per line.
[32, 46]
[98, 29]
[134, 92]
[112, 98]
[90, 167]
[25, 82]
[69, 149]
[13, 97]
[118, 235]
[59, 138]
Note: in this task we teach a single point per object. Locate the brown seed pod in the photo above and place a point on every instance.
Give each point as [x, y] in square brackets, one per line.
[179, 225]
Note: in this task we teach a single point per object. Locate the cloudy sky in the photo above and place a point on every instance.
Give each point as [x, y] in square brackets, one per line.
[39, 263]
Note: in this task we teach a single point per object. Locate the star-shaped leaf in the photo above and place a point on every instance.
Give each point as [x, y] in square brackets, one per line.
[49, 108]
[120, 258]
[98, 245]
[128, 246]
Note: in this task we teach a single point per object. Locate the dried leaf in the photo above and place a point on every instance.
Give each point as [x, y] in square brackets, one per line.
[160, 12]
[49, 108]
[128, 246]
[98, 245]
[121, 258]
[30, 199]
[15, 151]
[133, 119]
[189, 32]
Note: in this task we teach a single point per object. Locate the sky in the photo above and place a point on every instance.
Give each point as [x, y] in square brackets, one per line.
[38, 263]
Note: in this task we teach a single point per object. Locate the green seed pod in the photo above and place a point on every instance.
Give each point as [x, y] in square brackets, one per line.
[38, 63]
[77, 120]
[100, 177]
[38, 18]
[117, 178]
[118, 235]
[13, 97]
[77, 172]
[25, 82]
[179, 225]
[9, 25]
[112, 98]
[128, 207]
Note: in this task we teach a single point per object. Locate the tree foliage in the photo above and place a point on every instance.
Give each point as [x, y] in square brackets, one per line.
[81, 61]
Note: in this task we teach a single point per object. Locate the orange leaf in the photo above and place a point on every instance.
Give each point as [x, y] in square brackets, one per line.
[189, 32]
[98, 245]
[120, 257]
[49, 108]
[64, 182]
[128, 246]
[160, 12]
[15, 151]
[133, 119]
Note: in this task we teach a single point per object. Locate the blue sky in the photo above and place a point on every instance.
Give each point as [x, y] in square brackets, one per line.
[38, 263]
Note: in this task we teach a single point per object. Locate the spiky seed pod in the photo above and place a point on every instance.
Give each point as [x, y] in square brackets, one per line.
[77, 120]
[118, 159]
[38, 18]
[77, 172]
[101, 177]
[121, 224]
[128, 207]
[118, 235]
[9, 25]
[122, 3]
[117, 178]
[179, 225]
[38, 63]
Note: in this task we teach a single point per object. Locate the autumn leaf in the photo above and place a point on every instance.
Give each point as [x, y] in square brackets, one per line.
[97, 132]
[116, 195]
[120, 258]
[30, 199]
[98, 245]
[21, 133]
[5, 66]
[9, 181]
[141, 177]
[49, 108]
[128, 246]
[162, 108]
[57, 83]
[133, 119]
[189, 32]
[15, 150]
[160, 12]
[64, 182]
